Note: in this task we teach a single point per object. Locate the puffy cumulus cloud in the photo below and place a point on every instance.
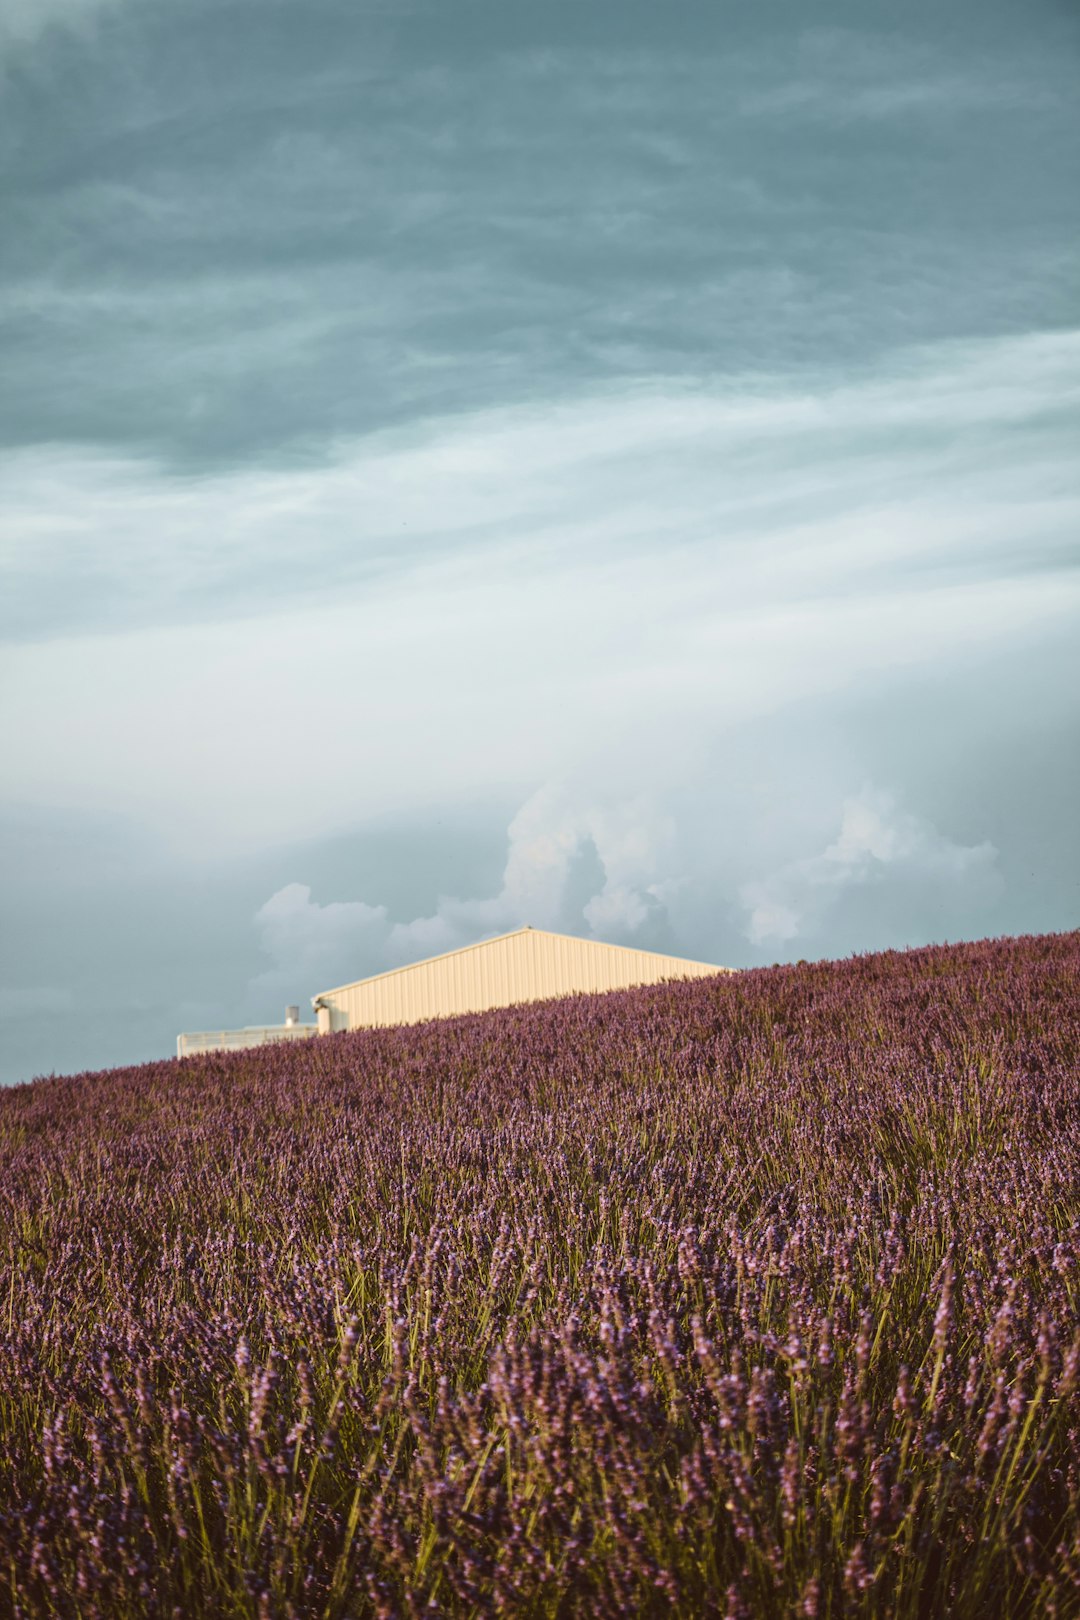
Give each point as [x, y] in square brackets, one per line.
[880, 846]
[593, 868]
[291, 924]
[306, 941]
[569, 865]
[620, 869]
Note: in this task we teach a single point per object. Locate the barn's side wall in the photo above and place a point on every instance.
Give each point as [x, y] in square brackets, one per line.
[528, 966]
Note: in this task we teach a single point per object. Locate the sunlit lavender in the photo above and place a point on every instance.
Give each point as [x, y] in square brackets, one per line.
[755, 1296]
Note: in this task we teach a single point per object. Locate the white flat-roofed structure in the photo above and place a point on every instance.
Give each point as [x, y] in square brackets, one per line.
[236, 1040]
[526, 965]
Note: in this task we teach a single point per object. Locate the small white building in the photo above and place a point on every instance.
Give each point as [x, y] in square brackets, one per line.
[526, 965]
[234, 1040]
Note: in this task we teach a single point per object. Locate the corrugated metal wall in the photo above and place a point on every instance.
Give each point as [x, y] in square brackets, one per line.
[530, 965]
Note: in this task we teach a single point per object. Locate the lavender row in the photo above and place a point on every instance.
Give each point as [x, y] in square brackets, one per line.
[748, 1296]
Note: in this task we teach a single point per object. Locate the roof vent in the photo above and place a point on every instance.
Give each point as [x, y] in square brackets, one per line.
[292, 1016]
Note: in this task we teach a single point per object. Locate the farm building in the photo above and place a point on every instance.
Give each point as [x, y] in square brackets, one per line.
[526, 965]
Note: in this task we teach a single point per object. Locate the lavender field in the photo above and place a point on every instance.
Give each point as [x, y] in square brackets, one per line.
[749, 1296]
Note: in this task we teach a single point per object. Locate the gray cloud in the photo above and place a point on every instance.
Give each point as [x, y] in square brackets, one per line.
[23, 22]
[955, 460]
[492, 463]
[228, 242]
[646, 572]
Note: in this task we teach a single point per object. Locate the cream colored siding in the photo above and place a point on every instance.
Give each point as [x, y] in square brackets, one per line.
[529, 965]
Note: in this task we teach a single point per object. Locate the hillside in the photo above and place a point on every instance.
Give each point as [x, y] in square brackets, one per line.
[749, 1296]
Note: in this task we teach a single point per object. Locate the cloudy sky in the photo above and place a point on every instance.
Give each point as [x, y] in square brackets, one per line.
[609, 466]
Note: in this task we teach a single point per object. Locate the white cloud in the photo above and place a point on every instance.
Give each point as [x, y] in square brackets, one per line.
[878, 843]
[569, 867]
[807, 474]
[618, 910]
[615, 869]
[292, 927]
[600, 588]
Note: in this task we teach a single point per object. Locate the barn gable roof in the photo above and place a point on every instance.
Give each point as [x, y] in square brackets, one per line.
[496, 939]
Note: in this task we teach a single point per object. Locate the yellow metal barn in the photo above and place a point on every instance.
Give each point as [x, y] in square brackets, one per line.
[527, 965]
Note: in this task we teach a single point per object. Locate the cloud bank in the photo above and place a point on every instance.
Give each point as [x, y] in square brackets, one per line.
[879, 846]
[600, 869]
[407, 407]
[481, 604]
[915, 470]
[617, 871]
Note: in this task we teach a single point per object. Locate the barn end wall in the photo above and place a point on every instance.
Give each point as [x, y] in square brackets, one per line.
[528, 966]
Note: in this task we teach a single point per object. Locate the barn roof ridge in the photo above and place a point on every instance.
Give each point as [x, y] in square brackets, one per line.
[493, 939]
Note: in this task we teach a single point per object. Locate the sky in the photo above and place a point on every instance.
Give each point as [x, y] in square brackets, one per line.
[610, 467]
